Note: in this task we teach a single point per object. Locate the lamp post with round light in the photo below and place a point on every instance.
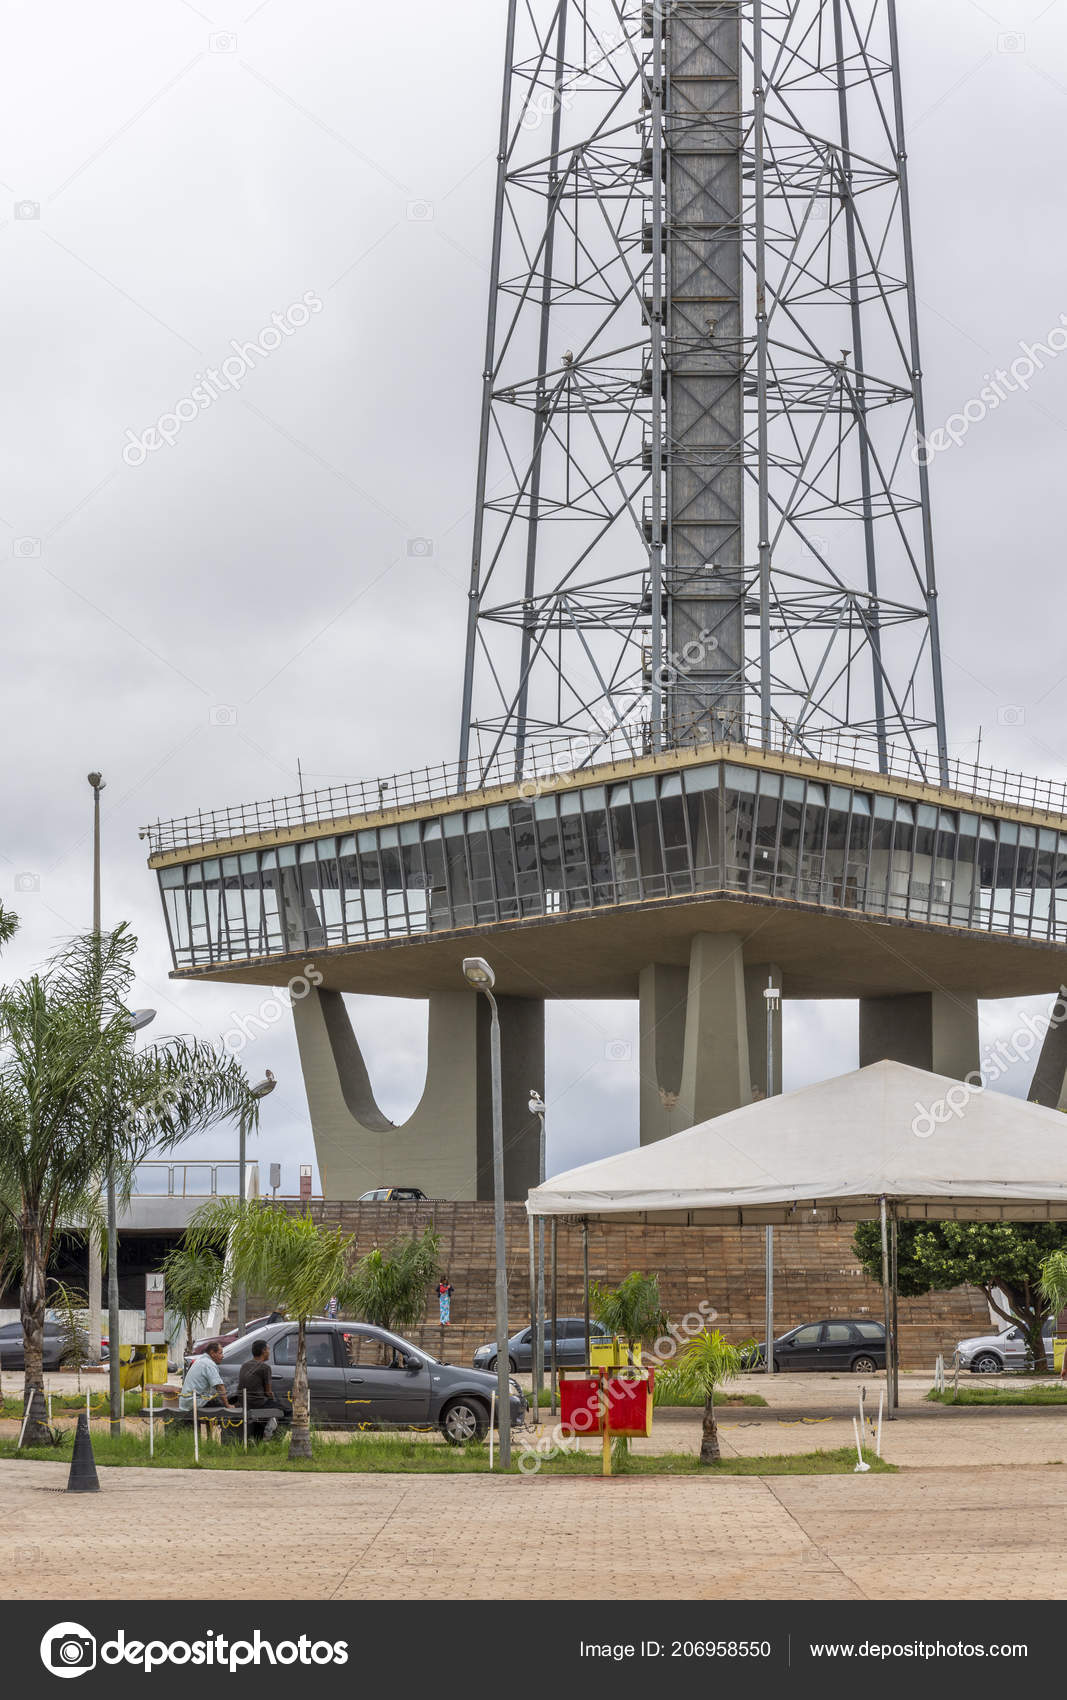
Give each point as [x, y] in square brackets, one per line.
[135, 1020]
[97, 782]
[260, 1090]
[479, 975]
[537, 1294]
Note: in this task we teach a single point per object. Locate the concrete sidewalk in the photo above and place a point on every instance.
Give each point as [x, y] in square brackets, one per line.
[956, 1534]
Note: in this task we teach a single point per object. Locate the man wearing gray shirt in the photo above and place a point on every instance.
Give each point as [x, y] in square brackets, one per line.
[204, 1379]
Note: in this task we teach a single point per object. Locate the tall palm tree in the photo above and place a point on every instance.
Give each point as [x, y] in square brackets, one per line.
[76, 1098]
[300, 1266]
[709, 1361]
[8, 924]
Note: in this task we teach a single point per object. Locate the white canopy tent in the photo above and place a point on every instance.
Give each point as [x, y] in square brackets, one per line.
[888, 1141]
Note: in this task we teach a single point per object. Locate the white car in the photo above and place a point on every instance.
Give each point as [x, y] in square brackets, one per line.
[991, 1354]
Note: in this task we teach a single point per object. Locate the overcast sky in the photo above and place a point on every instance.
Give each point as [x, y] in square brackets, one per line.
[171, 175]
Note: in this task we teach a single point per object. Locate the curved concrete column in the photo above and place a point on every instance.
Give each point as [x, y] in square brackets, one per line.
[445, 1146]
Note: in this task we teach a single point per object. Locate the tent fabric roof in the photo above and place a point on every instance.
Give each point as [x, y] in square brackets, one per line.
[934, 1147]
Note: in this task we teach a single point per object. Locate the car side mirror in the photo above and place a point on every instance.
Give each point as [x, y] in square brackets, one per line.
[412, 1365]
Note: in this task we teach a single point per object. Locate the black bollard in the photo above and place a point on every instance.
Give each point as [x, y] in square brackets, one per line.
[83, 1477]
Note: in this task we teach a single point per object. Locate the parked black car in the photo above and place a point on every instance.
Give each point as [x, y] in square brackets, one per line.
[570, 1348]
[841, 1344]
[361, 1376]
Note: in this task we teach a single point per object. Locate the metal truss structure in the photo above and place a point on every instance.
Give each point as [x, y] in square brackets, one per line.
[701, 491]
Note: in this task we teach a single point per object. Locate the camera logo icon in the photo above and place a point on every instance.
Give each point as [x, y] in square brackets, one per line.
[1011, 42]
[27, 882]
[223, 42]
[26, 548]
[420, 548]
[1011, 714]
[420, 212]
[68, 1649]
[25, 210]
[618, 1050]
[223, 714]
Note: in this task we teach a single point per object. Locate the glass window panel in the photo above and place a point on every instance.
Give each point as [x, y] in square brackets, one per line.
[169, 877]
[703, 779]
[624, 843]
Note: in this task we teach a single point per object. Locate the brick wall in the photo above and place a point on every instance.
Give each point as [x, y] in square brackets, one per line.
[816, 1274]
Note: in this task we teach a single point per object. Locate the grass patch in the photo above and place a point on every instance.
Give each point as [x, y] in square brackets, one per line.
[380, 1453]
[72, 1404]
[1000, 1396]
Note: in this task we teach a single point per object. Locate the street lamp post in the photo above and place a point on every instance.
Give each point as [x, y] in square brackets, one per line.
[477, 973]
[260, 1090]
[135, 1020]
[537, 1108]
[97, 782]
[773, 997]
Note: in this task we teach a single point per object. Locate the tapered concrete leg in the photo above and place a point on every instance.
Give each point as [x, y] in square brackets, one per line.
[757, 978]
[716, 1074]
[1049, 1085]
[663, 992]
[445, 1147]
[937, 1031]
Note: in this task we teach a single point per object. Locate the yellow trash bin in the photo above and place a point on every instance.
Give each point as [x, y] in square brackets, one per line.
[612, 1354]
[132, 1362]
[1059, 1346]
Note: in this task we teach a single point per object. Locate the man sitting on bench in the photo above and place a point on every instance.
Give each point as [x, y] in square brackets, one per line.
[254, 1380]
[203, 1378]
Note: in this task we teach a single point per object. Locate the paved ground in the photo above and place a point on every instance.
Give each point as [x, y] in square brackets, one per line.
[978, 1511]
[960, 1534]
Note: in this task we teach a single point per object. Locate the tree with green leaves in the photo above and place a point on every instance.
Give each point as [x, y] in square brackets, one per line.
[707, 1362]
[1003, 1259]
[71, 1307]
[388, 1288]
[77, 1097]
[1054, 1280]
[9, 922]
[193, 1278]
[631, 1312]
[299, 1265]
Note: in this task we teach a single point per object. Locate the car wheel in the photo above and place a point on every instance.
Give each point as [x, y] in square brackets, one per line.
[864, 1366]
[986, 1363]
[492, 1365]
[463, 1420]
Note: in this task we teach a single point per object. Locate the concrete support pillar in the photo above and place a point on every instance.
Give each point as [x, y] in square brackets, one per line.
[445, 1146]
[757, 979]
[716, 1075]
[937, 1031]
[662, 990]
[1049, 1085]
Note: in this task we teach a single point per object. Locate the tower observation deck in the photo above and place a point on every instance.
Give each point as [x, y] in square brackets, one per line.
[702, 734]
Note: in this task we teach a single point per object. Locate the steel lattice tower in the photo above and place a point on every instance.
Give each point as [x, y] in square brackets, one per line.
[700, 508]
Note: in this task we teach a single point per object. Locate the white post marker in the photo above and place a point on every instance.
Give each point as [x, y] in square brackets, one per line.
[878, 1443]
[861, 1465]
[48, 1399]
[88, 1405]
[245, 1398]
[492, 1414]
[151, 1424]
[196, 1433]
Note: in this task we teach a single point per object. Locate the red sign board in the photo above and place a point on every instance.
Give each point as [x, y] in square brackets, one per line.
[154, 1305]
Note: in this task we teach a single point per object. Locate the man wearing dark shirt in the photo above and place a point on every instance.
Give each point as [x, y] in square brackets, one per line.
[254, 1379]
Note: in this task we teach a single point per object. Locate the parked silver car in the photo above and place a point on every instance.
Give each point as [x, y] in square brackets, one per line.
[991, 1354]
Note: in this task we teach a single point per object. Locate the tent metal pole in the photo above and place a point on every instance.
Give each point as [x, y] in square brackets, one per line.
[768, 1279]
[585, 1284]
[554, 1370]
[890, 1406]
[894, 1284]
